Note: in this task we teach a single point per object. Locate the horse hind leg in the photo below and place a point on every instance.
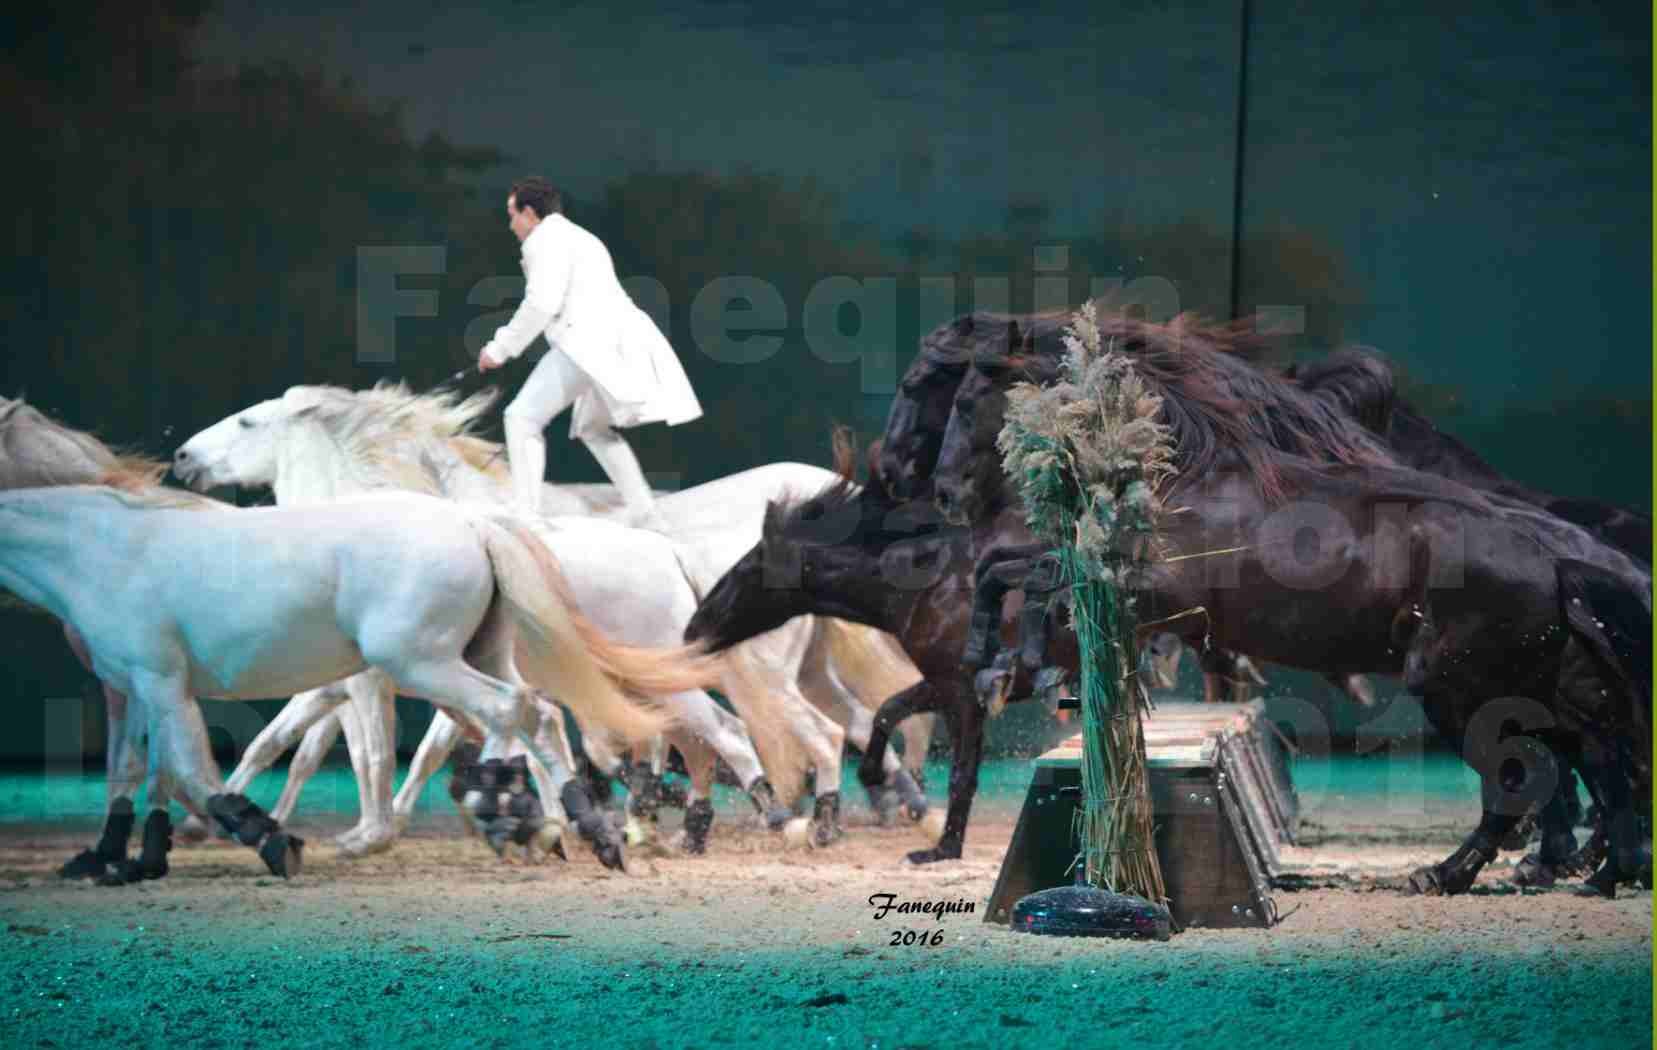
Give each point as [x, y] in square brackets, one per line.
[178, 745]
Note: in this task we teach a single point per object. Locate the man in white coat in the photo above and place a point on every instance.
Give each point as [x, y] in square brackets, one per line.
[606, 356]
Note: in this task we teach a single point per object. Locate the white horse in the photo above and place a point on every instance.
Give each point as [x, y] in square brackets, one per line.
[175, 604]
[318, 442]
[34, 452]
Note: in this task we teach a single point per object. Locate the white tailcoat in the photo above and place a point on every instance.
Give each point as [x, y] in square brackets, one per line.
[572, 297]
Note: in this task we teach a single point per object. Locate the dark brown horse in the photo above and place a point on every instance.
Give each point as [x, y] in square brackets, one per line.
[853, 552]
[831, 554]
[1377, 568]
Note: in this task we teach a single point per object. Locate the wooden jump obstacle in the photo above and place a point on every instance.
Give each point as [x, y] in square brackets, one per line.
[1223, 801]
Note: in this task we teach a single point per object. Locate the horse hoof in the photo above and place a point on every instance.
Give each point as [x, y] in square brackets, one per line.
[1425, 882]
[366, 845]
[86, 864]
[796, 832]
[933, 824]
[1531, 872]
[283, 854]
[826, 834]
[121, 873]
[931, 856]
[916, 811]
[612, 855]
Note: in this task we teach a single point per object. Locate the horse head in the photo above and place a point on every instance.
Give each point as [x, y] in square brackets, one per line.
[244, 448]
[915, 425]
[969, 482]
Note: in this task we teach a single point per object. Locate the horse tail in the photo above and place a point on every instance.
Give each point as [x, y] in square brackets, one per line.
[1613, 620]
[568, 656]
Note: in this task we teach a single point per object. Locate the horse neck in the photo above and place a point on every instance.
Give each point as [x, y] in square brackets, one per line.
[48, 458]
[53, 543]
[312, 468]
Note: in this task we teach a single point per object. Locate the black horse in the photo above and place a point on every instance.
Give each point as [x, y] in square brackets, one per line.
[1361, 384]
[1459, 591]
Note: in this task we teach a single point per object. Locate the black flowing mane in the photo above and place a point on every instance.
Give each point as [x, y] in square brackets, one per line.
[1217, 401]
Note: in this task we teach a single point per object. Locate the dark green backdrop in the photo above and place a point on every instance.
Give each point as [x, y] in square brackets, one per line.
[207, 205]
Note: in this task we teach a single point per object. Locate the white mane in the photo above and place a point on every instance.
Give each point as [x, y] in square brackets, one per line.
[389, 436]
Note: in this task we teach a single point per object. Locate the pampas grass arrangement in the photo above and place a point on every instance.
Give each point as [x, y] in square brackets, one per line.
[1090, 459]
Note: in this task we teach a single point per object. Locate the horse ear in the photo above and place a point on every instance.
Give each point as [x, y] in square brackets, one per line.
[300, 400]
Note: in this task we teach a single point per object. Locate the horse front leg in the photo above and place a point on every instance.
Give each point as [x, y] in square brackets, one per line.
[1514, 779]
[296, 723]
[178, 746]
[965, 718]
[701, 764]
[911, 779]
[124, 770]
[917, 699]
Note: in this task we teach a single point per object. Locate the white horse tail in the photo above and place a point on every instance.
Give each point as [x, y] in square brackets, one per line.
[868, 661]
[567, 655]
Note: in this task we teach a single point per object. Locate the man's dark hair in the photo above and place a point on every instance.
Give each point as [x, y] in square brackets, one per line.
[539, 194]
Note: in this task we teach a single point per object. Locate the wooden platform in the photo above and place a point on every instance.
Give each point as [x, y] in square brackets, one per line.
[1223, 800]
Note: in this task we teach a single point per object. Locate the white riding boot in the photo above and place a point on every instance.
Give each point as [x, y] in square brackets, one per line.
[526, 454]
[616, 457]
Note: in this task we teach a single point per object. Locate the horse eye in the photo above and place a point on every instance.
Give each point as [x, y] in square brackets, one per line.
[244, 422]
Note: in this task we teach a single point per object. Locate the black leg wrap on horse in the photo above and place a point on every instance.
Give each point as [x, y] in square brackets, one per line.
[672, 793]
[698, 822]
[884, 800]
[158, 842]
[589, 821]
[600, 783]
[644, 791]
[111, 847]
[244, 821]
[764, 798]
[914, 798]
[827, 817]
[241, 818]
[526, 810]
[578, 803]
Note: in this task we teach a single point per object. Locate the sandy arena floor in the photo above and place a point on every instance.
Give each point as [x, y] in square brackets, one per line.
[439, 944]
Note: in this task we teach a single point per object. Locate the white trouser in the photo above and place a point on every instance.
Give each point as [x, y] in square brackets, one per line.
[554, 385]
